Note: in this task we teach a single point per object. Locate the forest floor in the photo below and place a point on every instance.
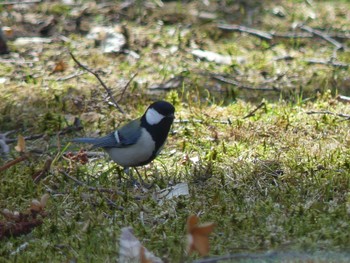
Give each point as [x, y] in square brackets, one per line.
[261, 137]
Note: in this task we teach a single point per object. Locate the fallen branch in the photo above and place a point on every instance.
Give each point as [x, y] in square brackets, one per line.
[323, 35]
[242, 86]
[343, 98]
[330, 62]
[229, 122]
[43, 172]
[252, 113]
[310, 33]
[21, 2]
[252, 31]
[236, 256]
[32, 137]
[14, 162]
[126, 86]
[91, 188]
[346, 116]
[327, 63]
[71, 76]
[109, 93]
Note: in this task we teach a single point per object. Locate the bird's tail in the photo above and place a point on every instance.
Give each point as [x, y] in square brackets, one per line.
[85, 140]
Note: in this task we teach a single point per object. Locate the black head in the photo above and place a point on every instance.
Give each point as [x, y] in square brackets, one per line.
[157, 121]
[163, 107]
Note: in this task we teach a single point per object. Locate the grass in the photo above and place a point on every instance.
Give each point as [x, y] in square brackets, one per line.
[278, 180]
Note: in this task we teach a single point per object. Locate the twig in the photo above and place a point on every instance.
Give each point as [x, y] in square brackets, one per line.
[229, 122]
[42, 173]
[16, 61]
[346, 116]
[21, 2]
[91, 188]
[13, 162]
[285, 57]
[236, 256]
[71, 76]
[115, 104]
[126, 86]
[292, 35]
[32, 137]
[252, 113]
[322, 35]
[242, 86]
[327, 62]
[271, 35]
[343, 98]
[252, 31]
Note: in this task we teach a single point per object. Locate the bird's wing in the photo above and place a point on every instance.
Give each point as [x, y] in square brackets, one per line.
[129, 133]
[126, 136]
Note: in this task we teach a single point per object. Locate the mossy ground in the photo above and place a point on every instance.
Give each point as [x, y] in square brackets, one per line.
[278, 180]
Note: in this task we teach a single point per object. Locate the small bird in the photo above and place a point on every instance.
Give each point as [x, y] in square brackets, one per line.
[138, 142]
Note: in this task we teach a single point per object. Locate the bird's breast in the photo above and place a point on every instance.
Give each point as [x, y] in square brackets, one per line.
[136, 154]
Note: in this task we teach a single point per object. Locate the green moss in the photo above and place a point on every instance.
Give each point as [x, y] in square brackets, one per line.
[278, 180]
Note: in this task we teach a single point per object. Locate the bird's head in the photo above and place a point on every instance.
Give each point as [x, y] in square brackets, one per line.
[159, 111]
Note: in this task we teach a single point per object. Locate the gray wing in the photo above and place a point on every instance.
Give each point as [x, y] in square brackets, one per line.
[130, 133]
[127, 135]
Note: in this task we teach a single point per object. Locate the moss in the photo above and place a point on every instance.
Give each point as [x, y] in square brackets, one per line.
[277, 180]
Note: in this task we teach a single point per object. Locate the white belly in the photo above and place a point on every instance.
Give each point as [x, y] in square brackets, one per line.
[134, 154]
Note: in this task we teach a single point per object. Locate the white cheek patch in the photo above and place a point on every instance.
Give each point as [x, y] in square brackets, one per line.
[153, 117]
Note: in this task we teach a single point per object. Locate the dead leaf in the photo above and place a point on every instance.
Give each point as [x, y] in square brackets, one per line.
[38, 206]
[171, 192]
[59, 67]
[110, 38]
[20, 223]
[198, 236]
[8, 31]
[131, 249]
[172, 83]
[344, 99]
[21, 144]
[212, 56]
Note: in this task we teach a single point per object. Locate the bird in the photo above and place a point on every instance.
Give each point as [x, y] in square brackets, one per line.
[138, 142]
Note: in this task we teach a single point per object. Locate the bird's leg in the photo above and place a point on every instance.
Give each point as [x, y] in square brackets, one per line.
[134, 181]
[143, 184]
[128, 172]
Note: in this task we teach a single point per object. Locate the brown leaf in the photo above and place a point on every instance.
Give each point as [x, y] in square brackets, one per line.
[21, 144]
[131, 249]
[38, 206]
[198, 235]
[59, 67]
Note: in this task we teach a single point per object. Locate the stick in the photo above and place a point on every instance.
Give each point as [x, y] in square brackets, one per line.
[115, 104]
[252, 113]
[252, 31]
[327, 62]
[242, 86]
[13, 162]
[32, 137]
[126, 86]
[347, 116]
[236, 256]
[21, 2]
[200, 121]
[270, 35]
[91, 188]
[343, 98]
[71, 76]
[323, 35]
[41, 174]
